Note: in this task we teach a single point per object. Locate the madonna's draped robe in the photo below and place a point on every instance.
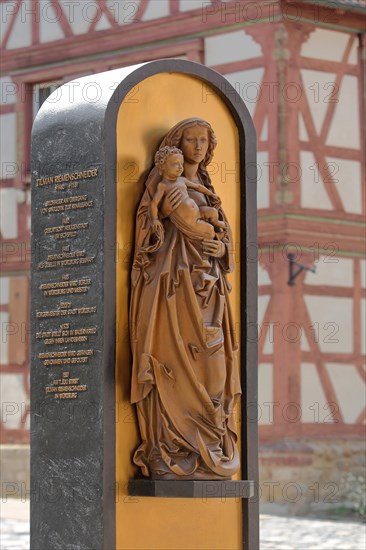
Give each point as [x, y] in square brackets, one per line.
[185, 379]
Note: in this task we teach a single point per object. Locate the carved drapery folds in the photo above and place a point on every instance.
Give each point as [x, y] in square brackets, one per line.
[185, 378]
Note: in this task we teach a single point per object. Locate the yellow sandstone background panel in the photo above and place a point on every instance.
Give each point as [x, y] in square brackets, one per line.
[145, 116]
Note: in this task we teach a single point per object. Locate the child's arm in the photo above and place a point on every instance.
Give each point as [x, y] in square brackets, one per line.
[200, 188]
[154, 207]
[216, 201]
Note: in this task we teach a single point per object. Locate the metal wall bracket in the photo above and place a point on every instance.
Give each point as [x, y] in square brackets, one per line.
[293, 272]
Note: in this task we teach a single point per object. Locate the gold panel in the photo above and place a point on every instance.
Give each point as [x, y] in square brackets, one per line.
[148, 112]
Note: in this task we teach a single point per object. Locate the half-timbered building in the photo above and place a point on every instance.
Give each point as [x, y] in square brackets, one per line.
[300, 68]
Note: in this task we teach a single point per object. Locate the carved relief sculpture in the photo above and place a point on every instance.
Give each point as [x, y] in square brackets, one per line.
[185, 378]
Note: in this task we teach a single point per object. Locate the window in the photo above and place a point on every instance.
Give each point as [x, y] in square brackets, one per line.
[41, 92]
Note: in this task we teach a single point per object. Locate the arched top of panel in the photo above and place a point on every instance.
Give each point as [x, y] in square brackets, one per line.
[98, 96]
[211, 78]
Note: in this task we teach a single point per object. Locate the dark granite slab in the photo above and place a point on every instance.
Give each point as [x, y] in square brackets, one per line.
[73, 466]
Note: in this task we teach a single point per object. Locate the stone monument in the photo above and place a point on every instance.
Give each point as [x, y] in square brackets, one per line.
[143, 206]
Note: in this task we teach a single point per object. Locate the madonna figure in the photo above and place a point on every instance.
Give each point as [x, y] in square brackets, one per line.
[185, 379]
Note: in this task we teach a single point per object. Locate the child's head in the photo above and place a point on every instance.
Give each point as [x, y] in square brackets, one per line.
[169, 161]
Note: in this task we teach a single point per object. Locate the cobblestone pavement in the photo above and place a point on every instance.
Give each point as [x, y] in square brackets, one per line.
[277, 532]
[283, 533]
[14, 534]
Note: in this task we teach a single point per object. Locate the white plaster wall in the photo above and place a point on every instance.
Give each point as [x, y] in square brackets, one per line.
[347, 179]
[263, 277]
[314, 404]
[349, 388]
[262, 306]
[318, 86]
[269, 338]
[325, 44]
[13, 399]
[6, 9]
[229, 47]
[103, 23]
[21, 34]
[248, 85]
[264, 133]
[49, 24]
[188, 5]
[156, 9]
[332, 271]
[363, 273]
[9, 212]
[334, 322]
[265, 393]
[4, 348]
[123, 11]
[363, 326]
[344, 130]
[8, 153]
[79, 14]
[313, 192]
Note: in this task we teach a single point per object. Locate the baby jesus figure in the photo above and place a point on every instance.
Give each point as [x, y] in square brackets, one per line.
[197, 222]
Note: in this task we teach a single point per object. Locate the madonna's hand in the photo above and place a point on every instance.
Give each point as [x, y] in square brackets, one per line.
[172, 201]
[215, 201]
[213, 248]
